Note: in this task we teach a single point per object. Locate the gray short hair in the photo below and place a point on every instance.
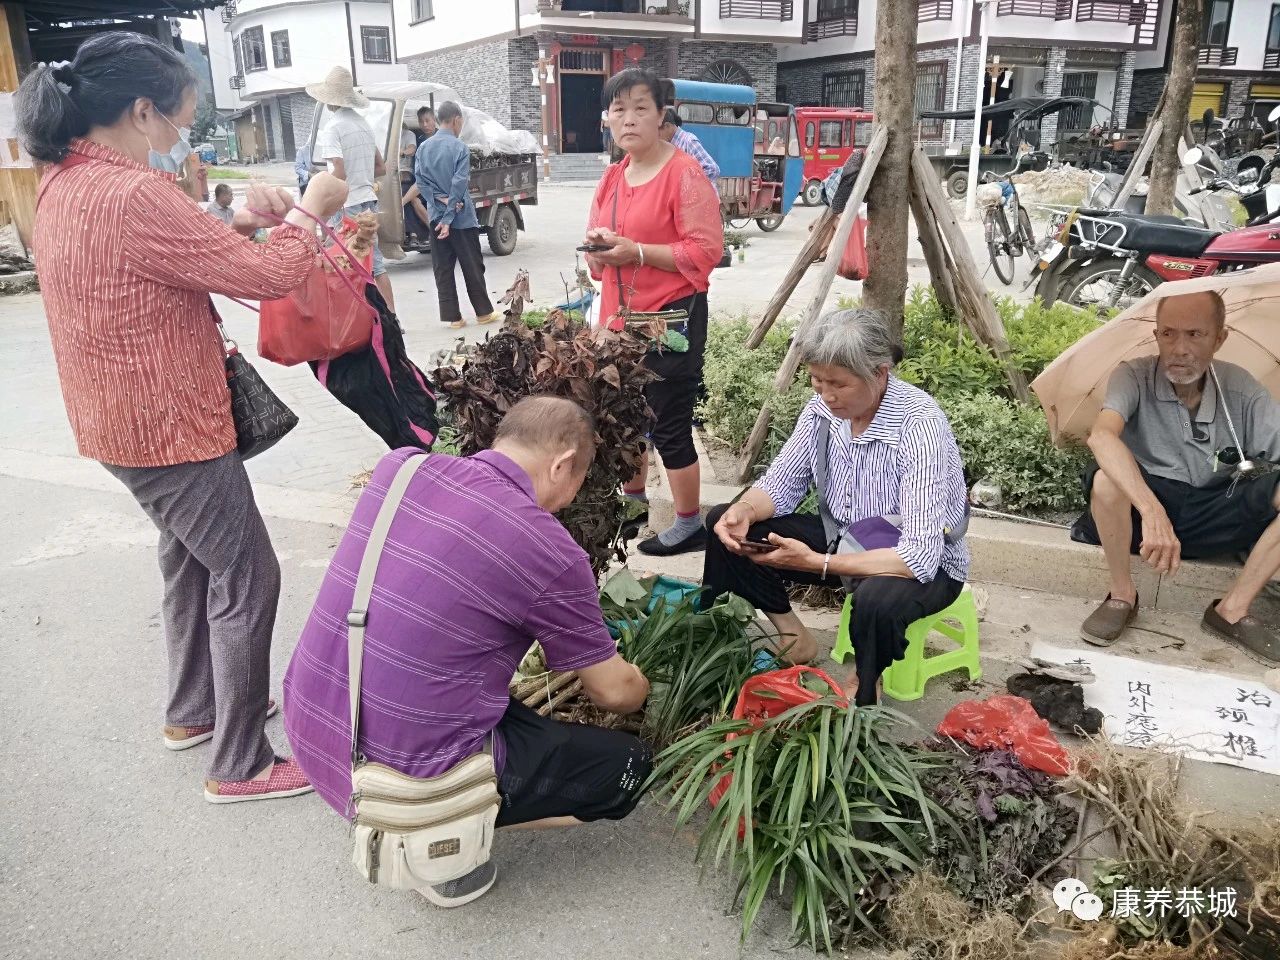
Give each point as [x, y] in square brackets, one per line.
[860, 340]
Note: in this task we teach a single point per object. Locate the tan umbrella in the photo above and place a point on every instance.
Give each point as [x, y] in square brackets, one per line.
[1072, 388]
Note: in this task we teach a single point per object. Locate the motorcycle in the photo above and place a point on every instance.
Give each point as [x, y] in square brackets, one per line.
[1109, 259]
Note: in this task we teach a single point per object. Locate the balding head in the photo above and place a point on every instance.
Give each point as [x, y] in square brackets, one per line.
[554, 441]
[1190, 329]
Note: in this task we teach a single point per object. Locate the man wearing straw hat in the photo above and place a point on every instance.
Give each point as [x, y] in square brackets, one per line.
[1186, 447]
[348, 145]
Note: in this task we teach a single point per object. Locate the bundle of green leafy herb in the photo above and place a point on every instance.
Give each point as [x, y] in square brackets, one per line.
[602, 370]
[821, 804]
[1016, 820]
[696, 660]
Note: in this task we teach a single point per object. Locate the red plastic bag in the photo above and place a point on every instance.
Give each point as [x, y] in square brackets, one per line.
[769, 694]
[1007, 723]
[853, 262]
[326, 316]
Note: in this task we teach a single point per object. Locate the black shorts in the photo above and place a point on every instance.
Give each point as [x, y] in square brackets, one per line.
[672, 398]
[555, 769]
[1208, 521]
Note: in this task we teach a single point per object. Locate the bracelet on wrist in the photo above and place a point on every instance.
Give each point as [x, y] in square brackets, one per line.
[640, 252]
[826, 561]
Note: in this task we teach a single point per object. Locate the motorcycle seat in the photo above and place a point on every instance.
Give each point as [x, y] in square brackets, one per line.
[1167, 235]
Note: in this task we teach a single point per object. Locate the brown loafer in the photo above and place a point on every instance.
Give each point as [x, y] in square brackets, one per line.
[1249, 632]
[1105, 624]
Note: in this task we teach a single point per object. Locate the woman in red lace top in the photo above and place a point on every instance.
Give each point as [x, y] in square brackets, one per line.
[659, 218]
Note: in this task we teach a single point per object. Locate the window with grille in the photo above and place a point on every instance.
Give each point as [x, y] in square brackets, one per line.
[931, 94]
[422, 10]
[255, 49]
[844, 89]
[837, 9]
[1079, 116]
[1217, 23]
[280, 55]
[376, 44]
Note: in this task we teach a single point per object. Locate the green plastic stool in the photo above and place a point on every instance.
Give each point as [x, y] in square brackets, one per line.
[906, 678]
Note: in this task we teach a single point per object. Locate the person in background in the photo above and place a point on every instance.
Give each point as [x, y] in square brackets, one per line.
[220, 205]
[443, 171]
[889, 451]
[658, 218]
[475, 569]
[606, 135]
[348, 145]
[413, 228]
[673, 132]
[302, 168]
[1171, 431]
[127, 264]
[416, 217]
[427, 122]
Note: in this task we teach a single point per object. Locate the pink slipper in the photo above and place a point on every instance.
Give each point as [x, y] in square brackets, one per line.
[184, 738]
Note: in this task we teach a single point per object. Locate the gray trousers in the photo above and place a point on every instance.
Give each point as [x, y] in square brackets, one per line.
[221, 586]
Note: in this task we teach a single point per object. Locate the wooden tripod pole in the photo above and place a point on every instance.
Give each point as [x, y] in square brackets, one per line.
[814, 245]
[1139, 163]
[972, 300]
[791, 363]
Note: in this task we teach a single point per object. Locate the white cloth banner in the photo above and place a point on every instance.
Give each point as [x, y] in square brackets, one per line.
[1202, 715]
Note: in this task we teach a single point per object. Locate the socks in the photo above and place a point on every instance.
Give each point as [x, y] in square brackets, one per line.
[640, 497]
[682, 529]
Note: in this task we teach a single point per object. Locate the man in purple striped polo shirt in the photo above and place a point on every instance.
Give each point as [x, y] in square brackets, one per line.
[475, 569]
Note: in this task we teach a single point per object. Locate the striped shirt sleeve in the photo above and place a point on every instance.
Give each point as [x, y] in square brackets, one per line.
[172, 241]
[922, 500]
[566, 620]
[791, 474]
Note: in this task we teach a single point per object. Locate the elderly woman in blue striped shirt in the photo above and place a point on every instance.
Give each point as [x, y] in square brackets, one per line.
[893, 502]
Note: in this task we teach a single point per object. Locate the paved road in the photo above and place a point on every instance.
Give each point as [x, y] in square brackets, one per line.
[109, 849]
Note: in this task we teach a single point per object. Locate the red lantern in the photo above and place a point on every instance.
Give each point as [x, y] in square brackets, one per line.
[634, 52]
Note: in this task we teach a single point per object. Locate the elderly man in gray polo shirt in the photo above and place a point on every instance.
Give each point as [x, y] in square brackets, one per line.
[1169, 437]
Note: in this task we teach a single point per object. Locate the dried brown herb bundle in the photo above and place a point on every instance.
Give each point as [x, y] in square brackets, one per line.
[600, 369]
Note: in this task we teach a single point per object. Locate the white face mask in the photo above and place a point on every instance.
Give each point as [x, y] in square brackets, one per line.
[172, 161]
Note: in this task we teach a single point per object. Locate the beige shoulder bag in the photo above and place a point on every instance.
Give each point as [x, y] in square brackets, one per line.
[411, 832]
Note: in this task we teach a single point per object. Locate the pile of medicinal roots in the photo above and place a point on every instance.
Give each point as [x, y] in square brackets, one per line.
[601, 369]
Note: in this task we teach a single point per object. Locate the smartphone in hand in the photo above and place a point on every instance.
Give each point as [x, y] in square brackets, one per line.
[755, 546]
[593, 248]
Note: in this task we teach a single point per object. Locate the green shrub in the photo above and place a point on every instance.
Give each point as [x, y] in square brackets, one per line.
[1008, 443]
[999, 439]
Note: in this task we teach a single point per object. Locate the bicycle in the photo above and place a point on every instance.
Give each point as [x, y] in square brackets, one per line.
[1005, 244]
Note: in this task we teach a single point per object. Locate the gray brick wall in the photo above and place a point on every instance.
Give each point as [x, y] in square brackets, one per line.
[758, 59]
[526, 99]
[1124, 88]
[481, 75]
[1145, 92]
[804, 80]
[968, 91]
[303, 111]
[1237, 94]
[1055, 64]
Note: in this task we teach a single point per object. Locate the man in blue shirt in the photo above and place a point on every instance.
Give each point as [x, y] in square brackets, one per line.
[672, 131]
[443, 174]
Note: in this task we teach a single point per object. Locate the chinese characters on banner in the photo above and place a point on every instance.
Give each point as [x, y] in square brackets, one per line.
[1204, 715]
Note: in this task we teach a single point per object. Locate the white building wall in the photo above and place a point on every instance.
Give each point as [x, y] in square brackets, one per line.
[222, 64]
[456, 22]
[710, 22]
[318, 42]
[1249, 22]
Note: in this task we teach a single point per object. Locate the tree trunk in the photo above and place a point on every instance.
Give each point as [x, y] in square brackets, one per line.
[888, 199]
[1165, 164]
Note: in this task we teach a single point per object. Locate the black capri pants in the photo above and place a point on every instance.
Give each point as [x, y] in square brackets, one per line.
[672, 398]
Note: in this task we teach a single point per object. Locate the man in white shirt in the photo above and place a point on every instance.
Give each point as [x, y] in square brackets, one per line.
[348, 145]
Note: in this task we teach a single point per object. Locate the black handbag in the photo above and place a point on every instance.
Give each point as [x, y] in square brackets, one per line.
[261, 418]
